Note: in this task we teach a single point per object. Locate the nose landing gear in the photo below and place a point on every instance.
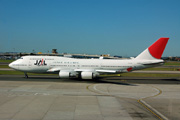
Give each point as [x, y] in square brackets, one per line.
[26, 75]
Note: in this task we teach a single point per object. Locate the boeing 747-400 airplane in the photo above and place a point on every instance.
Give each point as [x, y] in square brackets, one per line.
[90, 68]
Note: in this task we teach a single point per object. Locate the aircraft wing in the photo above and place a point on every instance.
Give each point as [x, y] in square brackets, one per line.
[83, 70]
[103, 70]
[56, 69]
[106, 71]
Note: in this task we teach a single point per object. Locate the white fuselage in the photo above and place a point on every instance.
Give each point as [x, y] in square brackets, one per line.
[41, 64]
[90, 68]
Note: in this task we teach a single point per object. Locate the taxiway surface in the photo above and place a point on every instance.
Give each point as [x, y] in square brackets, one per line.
[114, 98]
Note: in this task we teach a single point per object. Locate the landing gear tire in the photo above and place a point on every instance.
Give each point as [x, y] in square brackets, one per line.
[26, 75]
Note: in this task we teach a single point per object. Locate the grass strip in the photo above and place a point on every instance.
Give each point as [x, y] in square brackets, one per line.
[160, 69]
[171, 63]
[149, 75]
[4, 66]
[6, 61]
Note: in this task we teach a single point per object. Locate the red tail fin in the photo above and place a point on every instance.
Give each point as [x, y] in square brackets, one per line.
[156, 49]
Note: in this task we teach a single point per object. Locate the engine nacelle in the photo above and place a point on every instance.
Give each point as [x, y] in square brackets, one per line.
[88, 75]
[66, 74]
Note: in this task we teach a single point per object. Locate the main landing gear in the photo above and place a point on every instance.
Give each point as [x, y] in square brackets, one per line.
[26, 75]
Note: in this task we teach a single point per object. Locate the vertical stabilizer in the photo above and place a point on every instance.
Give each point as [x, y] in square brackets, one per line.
[155, 51]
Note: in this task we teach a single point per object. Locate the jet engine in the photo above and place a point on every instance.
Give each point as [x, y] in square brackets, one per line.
[66, 74]
[88, 75]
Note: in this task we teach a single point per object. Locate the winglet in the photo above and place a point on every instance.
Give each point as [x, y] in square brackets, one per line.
[156, 49]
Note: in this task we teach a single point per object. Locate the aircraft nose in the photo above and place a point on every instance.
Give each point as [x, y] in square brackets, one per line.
[15, 64]
[11, 65]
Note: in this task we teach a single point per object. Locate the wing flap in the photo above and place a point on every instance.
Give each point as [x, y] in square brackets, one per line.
[106, 71]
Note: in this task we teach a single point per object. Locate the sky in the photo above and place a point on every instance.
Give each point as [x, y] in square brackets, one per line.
[115, 27]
